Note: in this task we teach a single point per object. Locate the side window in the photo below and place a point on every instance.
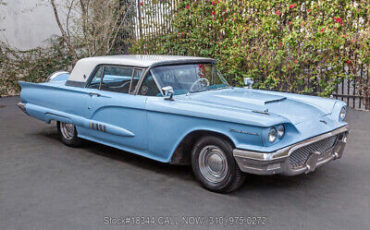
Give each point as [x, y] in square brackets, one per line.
[149, 88]
[95, 82]
[117, 78]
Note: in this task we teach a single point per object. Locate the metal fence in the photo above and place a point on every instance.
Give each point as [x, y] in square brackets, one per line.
[155, 21]
[354, 89]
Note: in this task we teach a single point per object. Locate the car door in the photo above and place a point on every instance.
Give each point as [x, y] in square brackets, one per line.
[116, 116]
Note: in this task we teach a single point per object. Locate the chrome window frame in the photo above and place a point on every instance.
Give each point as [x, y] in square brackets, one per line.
[149, 70]
[134, 68]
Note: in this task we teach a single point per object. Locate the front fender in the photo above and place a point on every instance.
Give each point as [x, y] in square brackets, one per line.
[166, 131]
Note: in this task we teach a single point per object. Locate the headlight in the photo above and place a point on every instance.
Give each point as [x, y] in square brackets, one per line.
[342, 114]
[272, 135]
[280, 131]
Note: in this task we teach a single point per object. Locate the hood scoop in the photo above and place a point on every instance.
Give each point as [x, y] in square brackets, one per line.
[275, 100]
[251, 100]
[259, 102]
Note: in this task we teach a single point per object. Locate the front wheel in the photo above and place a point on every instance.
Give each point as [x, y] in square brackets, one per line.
[214, 165]
[68, 134]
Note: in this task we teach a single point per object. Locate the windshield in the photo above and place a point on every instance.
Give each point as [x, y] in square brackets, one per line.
[189, 78]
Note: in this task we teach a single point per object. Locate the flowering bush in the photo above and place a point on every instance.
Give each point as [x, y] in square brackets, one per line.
[295, 46]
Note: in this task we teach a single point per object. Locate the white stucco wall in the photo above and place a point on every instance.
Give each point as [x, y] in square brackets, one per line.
[26, 24]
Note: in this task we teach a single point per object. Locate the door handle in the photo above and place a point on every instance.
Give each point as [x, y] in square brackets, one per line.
[96, 94]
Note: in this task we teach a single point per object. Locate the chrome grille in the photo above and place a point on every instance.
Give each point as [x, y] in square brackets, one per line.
[298, 158]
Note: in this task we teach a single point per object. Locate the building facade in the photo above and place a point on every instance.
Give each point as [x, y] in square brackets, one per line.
[26, 24]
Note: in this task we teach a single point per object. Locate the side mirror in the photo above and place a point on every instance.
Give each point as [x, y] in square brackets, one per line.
[248, 82]
[168, 92]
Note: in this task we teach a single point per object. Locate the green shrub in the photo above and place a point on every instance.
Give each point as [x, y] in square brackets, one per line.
[32, 65]
[295, 46]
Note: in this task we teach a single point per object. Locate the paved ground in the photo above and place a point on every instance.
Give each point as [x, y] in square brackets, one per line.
[46, 185]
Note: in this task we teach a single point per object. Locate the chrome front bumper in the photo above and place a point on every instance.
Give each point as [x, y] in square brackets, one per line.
[278, 162]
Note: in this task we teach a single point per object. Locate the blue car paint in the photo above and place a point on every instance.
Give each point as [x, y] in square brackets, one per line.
[126, 112]
[154, 127]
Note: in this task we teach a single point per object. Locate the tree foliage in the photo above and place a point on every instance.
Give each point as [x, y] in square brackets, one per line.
[295, 46]
[32, 65]
[87, 27]
[94, 27]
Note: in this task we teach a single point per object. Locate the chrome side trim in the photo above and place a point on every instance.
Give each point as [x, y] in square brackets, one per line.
[79, 84]
[277, 162]
[265, 112]
[22, 107]
[243, 132]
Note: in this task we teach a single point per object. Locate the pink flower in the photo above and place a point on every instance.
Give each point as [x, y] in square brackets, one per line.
[295, 61]
[213, 12]
[246, 29]
[338, 20]
[213, 2]
[292, 6]
[187, 7]
[141, 3]
[280, 43]
[278, 12]
[309, 10]
[348, 62]
[322, 30]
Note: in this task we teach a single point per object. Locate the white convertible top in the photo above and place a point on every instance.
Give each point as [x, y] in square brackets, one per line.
[85, 66]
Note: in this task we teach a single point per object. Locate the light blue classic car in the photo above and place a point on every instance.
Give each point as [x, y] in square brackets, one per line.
[180, 110]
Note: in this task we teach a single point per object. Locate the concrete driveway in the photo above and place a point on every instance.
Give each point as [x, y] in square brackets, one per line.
[47, 185]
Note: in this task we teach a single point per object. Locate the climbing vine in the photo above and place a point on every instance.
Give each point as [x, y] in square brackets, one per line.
[296, 46]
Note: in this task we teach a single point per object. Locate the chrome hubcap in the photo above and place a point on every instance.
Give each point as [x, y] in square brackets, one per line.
[213, 163]
[67, 130]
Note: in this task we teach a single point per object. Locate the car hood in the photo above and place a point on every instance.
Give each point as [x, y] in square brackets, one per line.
[293, 107]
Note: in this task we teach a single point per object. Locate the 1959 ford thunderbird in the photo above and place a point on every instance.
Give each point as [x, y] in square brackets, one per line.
[181, 110]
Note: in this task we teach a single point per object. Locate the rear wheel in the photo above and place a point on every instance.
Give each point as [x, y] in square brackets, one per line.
[68, 134]
[214, 165]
